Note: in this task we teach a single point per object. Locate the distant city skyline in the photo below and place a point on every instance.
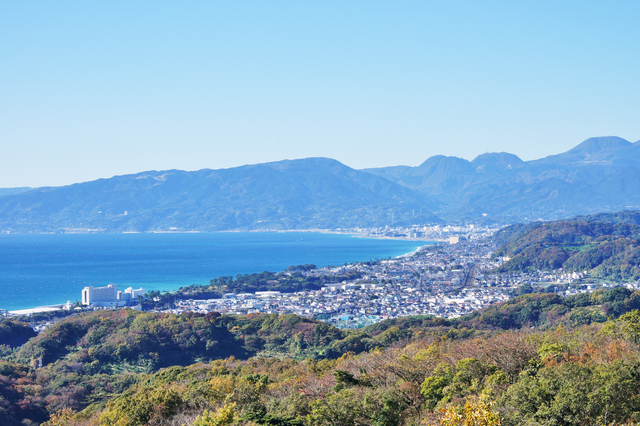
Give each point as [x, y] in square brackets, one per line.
[93, 90]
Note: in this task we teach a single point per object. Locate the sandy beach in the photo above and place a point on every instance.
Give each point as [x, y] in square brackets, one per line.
[36, 310]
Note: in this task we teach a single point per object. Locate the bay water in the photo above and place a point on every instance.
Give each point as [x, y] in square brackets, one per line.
[47, 269]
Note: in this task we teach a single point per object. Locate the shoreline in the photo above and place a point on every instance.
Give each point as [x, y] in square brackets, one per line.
[313, 230]
[36, 310]
[57, 305]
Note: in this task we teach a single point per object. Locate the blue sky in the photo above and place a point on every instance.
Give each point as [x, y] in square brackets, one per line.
[95, 89]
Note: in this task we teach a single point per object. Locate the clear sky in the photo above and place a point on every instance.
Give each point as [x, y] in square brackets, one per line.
[97, 89]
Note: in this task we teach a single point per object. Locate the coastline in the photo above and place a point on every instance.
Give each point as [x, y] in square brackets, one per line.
[48, 301]
[231, 231]
[36, 310]
[57, 307]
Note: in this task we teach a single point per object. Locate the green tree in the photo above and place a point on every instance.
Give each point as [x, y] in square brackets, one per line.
[433, 386]
[222, 417]
[142, 406]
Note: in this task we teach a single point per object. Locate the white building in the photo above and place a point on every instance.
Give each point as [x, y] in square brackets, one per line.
[130, 294]
[100, 296]
[109, 295]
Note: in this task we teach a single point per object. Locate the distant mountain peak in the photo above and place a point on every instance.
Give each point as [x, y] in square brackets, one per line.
[598, 175]
[598, 144]
[290, 194]
[497, 160]
[444, 160]
[310, 161]
[599, 150]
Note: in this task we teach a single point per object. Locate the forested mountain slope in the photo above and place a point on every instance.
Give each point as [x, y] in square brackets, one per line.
[601, 174]
[297, 194]
[604, 245]
[133, 368]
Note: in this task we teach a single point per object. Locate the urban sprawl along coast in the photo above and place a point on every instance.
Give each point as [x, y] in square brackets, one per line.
[449, 278]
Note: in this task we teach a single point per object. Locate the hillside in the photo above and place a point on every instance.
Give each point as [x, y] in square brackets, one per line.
[132, 368]
[599, 175]
[308, 193]
[604, 245]
[127, 340]
[11, 191]
[14, 333]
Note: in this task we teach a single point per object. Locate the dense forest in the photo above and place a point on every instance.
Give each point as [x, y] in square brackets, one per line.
[607, 246]
[536, 359]
[14, 333]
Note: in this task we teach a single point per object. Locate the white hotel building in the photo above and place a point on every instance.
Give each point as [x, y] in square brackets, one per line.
[109, 296]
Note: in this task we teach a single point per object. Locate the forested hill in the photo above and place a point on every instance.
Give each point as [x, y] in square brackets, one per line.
[298, 194]
[14, 333]
[147, 341]
[134, 368]
[605, 245]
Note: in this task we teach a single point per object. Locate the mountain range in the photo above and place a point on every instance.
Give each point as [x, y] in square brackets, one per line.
[601, 174]
[297, 194]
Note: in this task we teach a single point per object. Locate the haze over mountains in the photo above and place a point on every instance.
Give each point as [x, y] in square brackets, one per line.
[298, 194]
[601, 174]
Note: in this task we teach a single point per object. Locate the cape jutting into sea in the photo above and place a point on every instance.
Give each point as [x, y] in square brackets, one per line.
[47, 269]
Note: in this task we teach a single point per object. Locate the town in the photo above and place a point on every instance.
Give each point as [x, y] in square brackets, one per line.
[447, 279]
[453, 274]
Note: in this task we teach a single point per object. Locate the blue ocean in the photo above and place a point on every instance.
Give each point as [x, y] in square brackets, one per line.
[39, 270]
